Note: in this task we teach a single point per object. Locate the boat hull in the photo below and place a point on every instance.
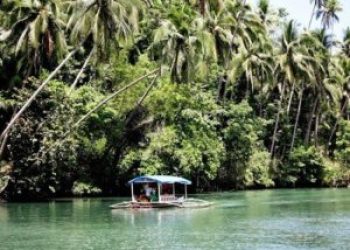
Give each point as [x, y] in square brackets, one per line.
[190, 203]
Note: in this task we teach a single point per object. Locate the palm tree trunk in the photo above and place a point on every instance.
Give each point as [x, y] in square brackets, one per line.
[272, 148]
[312, 16]
[122, 141]
[34, 95]
[140, 101]
[106, 100]
[291, 95]
[101, 103]
[311, 118]
[3, 145]
[297, 118]
[337, 122]
[317, 122]
[81, 71]
[202, 7]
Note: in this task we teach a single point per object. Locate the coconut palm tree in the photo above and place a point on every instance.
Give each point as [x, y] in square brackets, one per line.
[329, 13]
[99, 21]
[35, 35]
[219, 24]
[296, 67]
[340, 75]
[37, 39]
[318, 4]
[177, 40]
[346, 43]
[311, 73]
[322, 93]
[104, 23]
[340, 78]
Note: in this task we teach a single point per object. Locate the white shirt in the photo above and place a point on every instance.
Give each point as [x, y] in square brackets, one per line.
[148, 191]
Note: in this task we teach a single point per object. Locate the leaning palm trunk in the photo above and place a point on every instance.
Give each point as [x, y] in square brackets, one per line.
[3, 145]
[106, 100]
[317, 122]
[122, 140]
[312, 16]
[140, 101]
[311, 118]
[297, 118]
[272, 149]
[103, 102]
[34, 95]
[337, 122]
[202, 7]
[290, 98]
[81, 70]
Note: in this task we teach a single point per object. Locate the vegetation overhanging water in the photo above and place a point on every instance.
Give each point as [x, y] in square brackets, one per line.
[225, 93]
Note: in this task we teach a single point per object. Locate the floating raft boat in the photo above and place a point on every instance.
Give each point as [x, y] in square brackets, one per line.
[162, 200]
[188, 203]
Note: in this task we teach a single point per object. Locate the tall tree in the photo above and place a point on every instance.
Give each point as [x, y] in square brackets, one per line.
[35, 34]
[317, 5]
[329, 13]
[103, 23]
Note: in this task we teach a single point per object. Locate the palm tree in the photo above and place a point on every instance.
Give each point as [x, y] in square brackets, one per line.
[103, 23]
[329, 13]
[36, 36]
[251, 48]
[255, 64]
[346, 43]
[177, 40]
[296, 66]
[309, 71]
[218, 26]
[104, 26]
[264, 10]
[318, 4]
[340, 77]
[323, 93]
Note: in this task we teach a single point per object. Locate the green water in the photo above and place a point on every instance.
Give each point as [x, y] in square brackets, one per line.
[279, 219]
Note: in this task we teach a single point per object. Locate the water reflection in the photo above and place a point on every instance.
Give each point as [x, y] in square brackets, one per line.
[3, 213]
[157, 216]
[278, 219]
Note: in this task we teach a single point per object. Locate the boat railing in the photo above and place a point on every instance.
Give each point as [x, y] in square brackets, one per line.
[168, 197]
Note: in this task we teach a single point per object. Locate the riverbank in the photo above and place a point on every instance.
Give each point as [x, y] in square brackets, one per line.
[126, 196]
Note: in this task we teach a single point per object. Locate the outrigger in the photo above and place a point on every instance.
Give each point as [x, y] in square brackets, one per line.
[158, 191]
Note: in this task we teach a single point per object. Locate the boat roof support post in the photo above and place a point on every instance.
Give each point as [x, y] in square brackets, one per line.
[174, 189]
[159, 196]
[185, 191]
[132, 192]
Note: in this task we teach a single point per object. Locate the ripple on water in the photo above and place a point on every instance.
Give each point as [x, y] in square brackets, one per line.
[273, 219]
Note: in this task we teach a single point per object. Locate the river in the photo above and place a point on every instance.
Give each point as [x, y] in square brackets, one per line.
[271, 219]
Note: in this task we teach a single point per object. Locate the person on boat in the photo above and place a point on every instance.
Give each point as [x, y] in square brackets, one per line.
[154, 196]
[148, 191]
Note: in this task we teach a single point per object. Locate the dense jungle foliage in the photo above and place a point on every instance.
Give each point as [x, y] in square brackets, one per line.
[227, 94]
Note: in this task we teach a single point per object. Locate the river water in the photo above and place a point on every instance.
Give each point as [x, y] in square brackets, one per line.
[272, 219]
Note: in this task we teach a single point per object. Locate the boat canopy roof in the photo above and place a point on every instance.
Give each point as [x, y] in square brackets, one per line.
[164, 179]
